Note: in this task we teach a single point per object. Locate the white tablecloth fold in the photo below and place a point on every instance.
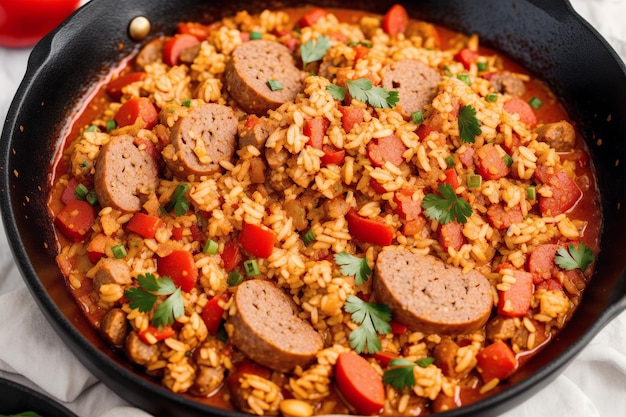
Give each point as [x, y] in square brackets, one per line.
[31, 353]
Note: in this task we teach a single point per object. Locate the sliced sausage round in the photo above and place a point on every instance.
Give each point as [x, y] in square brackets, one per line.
[415, 83]
[253, 66]
[114, 327]
[559, 135]
[200, 140]
[430, 296]
[125, 175]
[506, 82]
[266, 327]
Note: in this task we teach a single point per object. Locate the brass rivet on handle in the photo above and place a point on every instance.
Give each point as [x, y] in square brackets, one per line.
[139, 28]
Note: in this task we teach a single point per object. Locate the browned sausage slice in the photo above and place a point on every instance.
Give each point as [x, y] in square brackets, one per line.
[559, 135]
[252, 66]
[415, 83]
[430, 296]
[125, 175]
[266, 328]
[200, 140]
[114, 327]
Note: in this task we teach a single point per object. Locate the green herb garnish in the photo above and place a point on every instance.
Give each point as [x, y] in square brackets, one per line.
[274, 85]
[234, 279]
[252, 268]
[446, 206]
[314, 51]
[178, 202]
[363, 90]
[401, 375]
[309, 237]
[350, 265]
[535, 103]
[373, 319]
[145, 297]
[574, 257]
[469, 125]
[417, 117]
[338, 93]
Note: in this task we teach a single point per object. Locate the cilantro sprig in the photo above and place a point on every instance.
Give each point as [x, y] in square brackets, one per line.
[574, 257]
[400, 375]
[178, 202]
[363, 90]
[314, 51]
[469, 125]
[145, 297]
[350, 265]
[373, 319]
[446, 206]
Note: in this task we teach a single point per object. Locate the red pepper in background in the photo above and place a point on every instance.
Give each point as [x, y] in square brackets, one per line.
[137, 107]
[496, 361]
[395, 20]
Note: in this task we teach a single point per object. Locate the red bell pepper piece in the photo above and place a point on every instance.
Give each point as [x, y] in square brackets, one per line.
[315, 129]
[144, 225]
[75, 219]
[212, 312]
[496, 361]
[153, 334]
[115, 86]
[180, 267]
[311, 17]
[257, 240]
[137, 107]
[395, 20]
[374, 231]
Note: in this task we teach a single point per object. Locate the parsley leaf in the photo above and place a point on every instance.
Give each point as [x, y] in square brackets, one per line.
[350, 265]
[469, 125]
[400, 375]
[144, 298]
[311, 52]
[274, 85]
[373, 319]
[178, 202]
[446, 207]
[574, 257]
[338, 93]
[363, 90]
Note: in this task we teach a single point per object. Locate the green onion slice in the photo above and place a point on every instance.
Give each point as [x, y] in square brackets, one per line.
[255, 35]
[210, 247]
[531, 192]
[491, 97]
[111, 124]
[118, 251]
[80, 192]
[309, 237]
[482, 65]
[465, 78]
[508, 160]
[474, 180]
[234, 279]
[535, 103]
[417, 117]
[252, 268]
[449, 161]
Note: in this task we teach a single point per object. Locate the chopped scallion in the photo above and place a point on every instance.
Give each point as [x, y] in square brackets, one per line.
[508, 160]
[465, 78]
[111, 125]
[92, 198]
[417, 117]
[234, 279]
[80, 192]
[309, 237]
[535, 103]
[255, 36]
[118, 251]
[491, 98]
[91, 129]
[531, 192]
[210, 247]
[252, 268]
[482, 65]
[274, 85]
[474, 181]
[449, 161]
[446, 71]
[186, 103]
[178, 202]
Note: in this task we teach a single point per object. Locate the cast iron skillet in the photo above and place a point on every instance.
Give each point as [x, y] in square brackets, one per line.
[547, 37]
[16, 398]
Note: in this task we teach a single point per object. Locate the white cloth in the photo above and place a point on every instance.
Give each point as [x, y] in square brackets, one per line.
[31, 353]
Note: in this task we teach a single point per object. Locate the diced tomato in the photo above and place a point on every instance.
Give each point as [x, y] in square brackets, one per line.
[359, 383]
[69, 194]
[551, 284]
[315, 129]
[451, 236]
[390, 148]
[565, 191]
[361, 52]
[178, 233]
[452, 178]
[407, 207]
[245, 36]
[251, 121]
[350, 115]
[384, 357]
[398, 328]
[374, 231]
[257, 240]
[75, 219]
[395, 20]
[175, 45]
[115, 86]
[526, 113]
[467, 57]
[501, 218]
[515, 302]
[200, 31]
[137, 107]
[311, 17]
[97, 247]
[144, 225]
[376, 186]
[196, 232]
[541, 261]
[213, 311]
[489, 163]
[180, 267]
[153, 334]
[496, 361]
[231, 256]
[332, 155]
[423, 131]
[413, 227]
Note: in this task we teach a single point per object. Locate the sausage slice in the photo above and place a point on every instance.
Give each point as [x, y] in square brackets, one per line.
[125, 175]
[430, 296]
[415, 83]
[267, 329]
[255, 63]
[207, 135]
